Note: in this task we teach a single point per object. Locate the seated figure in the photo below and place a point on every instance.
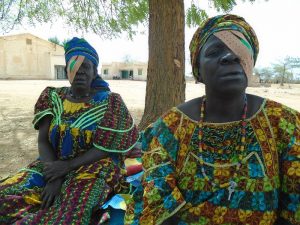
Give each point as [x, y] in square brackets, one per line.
[227, 157]
[85, 134]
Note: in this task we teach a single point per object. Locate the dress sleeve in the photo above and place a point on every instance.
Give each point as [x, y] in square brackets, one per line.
[43, 107]
[289, 150]
[116, 132]
[161, 196]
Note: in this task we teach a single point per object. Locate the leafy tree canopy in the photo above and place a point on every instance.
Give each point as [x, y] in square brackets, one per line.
[54, 40]
[106, 18]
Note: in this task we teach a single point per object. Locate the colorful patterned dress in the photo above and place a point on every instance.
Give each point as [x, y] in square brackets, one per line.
[103, 122]
[268, 184]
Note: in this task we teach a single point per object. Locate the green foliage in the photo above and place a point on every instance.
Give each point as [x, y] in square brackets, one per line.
[195, 16]
[15, 12]
[107, 18]
[293, 62]
[265, 74]
[54, 40]
[63, 43]
[283, 69]
[223, 5]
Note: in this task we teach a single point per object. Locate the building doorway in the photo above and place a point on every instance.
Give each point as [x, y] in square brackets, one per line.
[127, 74]
[60, 73]
[124, 74]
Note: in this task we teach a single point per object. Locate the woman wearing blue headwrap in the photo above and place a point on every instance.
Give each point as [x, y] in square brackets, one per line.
[85, 133]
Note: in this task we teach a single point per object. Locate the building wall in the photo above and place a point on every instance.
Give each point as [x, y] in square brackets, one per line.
[2, 58]
[115, 70]
[26, 56]
[112, 68]
[144, 72]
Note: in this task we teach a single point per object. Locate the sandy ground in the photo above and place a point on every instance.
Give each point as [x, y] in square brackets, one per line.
[18, 139]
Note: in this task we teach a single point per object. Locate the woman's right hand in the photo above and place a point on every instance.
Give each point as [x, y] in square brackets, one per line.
[56, 169]
[51, 192]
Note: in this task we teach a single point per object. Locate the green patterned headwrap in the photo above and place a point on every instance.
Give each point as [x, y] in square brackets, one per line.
[219, 23]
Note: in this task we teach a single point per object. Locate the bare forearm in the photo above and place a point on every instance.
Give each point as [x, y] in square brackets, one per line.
[87, 158]
[46, 151]
[60, 168]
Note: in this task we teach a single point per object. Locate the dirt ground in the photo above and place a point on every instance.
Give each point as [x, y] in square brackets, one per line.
[18, 139]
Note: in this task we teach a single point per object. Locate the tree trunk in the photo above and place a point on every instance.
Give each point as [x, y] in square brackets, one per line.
[282, 76]
[165, 80]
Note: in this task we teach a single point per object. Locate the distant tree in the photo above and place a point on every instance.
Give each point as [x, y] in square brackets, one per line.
[109, 18]
[127, 59]
[54, 40]
[283, 69]
[63, 43]
[265, 74]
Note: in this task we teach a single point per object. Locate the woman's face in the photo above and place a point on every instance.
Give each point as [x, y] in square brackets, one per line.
[84, 75]
[220, 68]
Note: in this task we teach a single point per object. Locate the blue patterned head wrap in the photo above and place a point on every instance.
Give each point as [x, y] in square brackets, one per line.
[79, 46]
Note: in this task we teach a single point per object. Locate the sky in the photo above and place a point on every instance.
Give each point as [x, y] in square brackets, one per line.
[276, 23]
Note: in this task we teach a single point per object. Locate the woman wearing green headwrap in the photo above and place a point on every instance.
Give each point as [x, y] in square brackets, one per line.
[227, 157]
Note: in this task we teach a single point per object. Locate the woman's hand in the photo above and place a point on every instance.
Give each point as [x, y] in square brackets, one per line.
[51, 192]
[56, 169]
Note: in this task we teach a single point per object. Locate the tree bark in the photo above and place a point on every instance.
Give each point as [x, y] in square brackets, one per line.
[166, 65]
[282, 76]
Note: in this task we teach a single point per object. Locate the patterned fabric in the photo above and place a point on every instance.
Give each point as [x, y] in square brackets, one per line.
[79, 46]
[219, 23]
[83, 191]
[268, 184]
[99, 84]
[79, 126]
[75, 128]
